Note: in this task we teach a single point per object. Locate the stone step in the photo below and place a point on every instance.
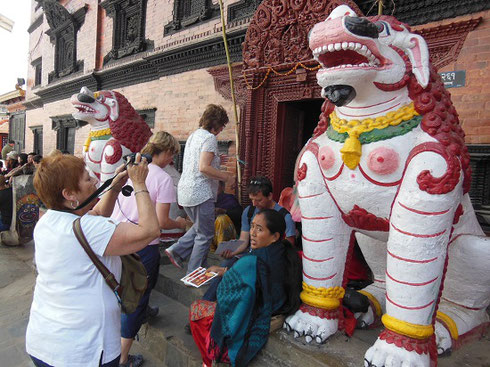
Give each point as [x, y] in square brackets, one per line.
[169, 284]
[281, 350]
[164, 260]
[164, 337]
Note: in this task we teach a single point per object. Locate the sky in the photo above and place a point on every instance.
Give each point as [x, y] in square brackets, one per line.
[15, 44]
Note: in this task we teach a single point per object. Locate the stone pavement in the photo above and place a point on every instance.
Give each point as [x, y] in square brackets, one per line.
[17, 278]
[164, 342]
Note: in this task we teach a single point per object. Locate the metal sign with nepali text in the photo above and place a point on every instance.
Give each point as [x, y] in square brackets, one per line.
[454, 79]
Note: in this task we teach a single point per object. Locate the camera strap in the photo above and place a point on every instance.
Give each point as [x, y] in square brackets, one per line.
[129, 159]
[99, 191]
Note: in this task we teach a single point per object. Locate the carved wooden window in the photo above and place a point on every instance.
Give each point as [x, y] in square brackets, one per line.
[128, 33]
[149, 116]
[17, 130]
[37, 131]
[37, 65]
[189, 12]
[65, 127]
[480, 183]
[242, 9]
[63, 34]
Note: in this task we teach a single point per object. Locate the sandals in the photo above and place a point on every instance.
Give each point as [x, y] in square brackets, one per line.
[134, 360]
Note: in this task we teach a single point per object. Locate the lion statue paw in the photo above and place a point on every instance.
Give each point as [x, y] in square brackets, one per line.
[311, 327]
[443, 339]
[365, 319]
[382, 354]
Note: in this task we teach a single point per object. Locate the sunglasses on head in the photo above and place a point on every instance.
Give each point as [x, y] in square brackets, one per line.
[259, 182]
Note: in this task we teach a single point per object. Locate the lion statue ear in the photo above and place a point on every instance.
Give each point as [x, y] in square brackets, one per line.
[341, 11]
[418, 53]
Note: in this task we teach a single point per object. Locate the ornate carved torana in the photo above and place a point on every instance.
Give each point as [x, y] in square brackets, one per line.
[63, 34]
[278, 32]
[445, 41]
[128, 34]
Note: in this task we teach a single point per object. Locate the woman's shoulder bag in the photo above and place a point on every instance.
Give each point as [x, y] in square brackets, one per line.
[134, 278]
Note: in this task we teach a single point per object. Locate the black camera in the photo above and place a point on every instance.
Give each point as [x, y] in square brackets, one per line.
[129, 159]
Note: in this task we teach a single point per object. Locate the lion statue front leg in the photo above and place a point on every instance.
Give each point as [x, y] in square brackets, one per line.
[420, 228]
[326, 240]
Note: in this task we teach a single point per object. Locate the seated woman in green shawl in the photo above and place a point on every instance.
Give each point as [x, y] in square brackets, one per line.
[264, 283]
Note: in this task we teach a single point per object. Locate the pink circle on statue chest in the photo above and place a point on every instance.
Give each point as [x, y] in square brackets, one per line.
[383, 161]
[326, 157]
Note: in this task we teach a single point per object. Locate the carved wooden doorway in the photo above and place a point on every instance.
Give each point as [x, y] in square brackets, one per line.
[296, 121]
[279, 116]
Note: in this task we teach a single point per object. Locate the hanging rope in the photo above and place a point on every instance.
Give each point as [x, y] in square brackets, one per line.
[237, 123]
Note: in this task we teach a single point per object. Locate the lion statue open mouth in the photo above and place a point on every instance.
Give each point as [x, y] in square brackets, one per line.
[387, 167]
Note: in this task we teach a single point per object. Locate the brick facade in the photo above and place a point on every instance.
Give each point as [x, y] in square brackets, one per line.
[180, 98]
[473, 101]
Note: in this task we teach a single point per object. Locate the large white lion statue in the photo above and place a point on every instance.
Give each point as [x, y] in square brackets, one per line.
[116, 129]
[387, 166]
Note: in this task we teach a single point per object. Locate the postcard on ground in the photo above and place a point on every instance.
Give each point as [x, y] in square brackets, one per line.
[198, 277]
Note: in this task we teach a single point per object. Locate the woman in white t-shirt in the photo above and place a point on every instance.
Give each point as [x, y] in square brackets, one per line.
[198, 188]
[75, 317]
[162, 147]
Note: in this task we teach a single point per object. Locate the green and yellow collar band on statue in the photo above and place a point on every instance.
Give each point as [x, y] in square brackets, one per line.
[104, 134]
[354, 133]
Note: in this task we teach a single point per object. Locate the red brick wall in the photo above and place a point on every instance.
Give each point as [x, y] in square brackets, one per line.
[179, 101]
[473, 101]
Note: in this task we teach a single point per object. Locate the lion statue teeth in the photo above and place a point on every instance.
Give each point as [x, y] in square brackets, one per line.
[387, 167]
[116, 130]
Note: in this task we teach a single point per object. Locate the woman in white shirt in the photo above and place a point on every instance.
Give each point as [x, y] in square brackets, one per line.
[75, 317]
[198, 188]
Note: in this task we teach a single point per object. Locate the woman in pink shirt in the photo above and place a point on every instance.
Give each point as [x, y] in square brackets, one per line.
[162, 147]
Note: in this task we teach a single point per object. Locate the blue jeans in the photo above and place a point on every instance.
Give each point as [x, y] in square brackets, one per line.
[194, 244]
[131, 323]
[39, 363]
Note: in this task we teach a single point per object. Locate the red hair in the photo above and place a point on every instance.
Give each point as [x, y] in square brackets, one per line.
[55, 173]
